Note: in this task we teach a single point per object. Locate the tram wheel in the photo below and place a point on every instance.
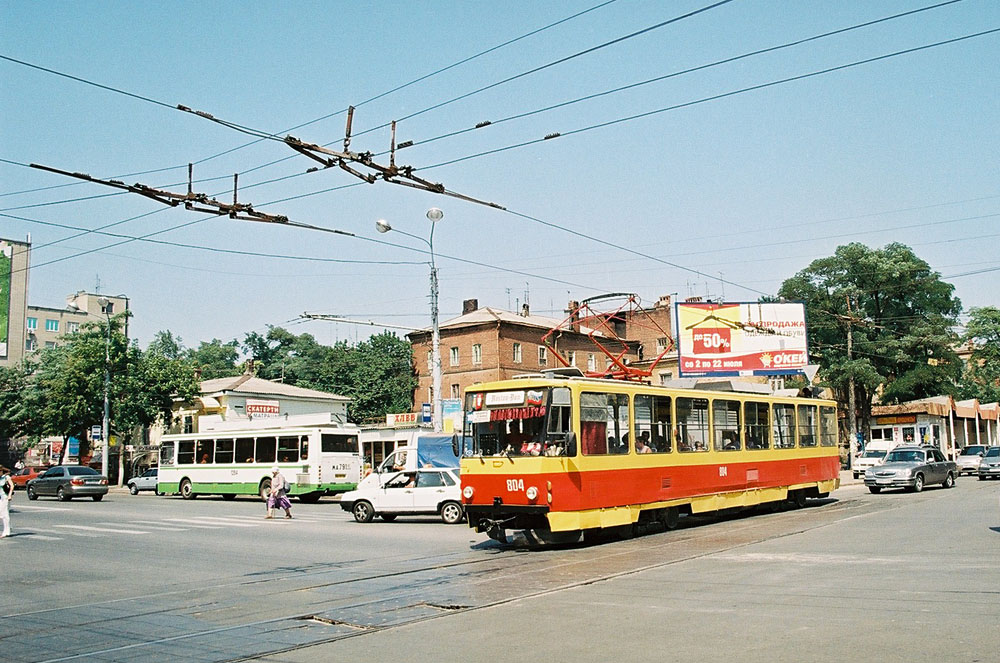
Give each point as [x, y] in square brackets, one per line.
[797, 498]
[670, 517]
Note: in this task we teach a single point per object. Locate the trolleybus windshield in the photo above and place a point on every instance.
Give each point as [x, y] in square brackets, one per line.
[520, 422]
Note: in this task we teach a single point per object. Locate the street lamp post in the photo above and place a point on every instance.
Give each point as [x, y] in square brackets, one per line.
[434, 215]
[106, 308]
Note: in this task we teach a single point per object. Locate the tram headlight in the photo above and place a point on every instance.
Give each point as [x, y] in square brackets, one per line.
[531, 493]
[467, 492]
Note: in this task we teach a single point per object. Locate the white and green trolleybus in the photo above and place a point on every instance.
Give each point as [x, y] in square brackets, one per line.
[315, 460]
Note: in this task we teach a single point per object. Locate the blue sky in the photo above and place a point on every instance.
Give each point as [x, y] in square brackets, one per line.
[746, 189]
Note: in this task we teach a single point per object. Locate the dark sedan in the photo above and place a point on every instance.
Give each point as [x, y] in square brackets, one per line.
[911, 468]
[68, 481]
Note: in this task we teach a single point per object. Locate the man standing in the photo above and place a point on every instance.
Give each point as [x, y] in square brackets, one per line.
[6, 494]
[278, 496]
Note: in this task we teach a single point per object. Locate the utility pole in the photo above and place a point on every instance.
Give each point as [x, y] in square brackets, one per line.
[851, 416]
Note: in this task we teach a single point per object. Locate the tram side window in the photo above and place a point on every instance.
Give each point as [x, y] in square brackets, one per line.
[205, 451]
[653, 422]
[692, 424]
[224, 451]
[807, 425]
[288, 449]
[726, 422]
[265, 450]
[338, 443]
[827, 426]
[758, 426]
[604, 423]
[244, 450]
[784, 426]
[185, 452]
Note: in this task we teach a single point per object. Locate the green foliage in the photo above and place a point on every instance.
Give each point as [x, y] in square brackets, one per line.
[901, 315]
[14, 416]
[981, 378]
[215, 359]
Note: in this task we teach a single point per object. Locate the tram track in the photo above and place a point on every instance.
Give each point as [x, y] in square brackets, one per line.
[545, 572]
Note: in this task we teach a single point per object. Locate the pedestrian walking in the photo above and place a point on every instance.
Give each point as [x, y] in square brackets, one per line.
[279, 492]
[6, 494]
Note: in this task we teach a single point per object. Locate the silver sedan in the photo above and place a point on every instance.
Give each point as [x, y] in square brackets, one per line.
[68, 481]
[911, 468]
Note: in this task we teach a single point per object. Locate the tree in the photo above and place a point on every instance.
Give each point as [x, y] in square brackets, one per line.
[900, 315]
[981, 379]
[165, 344]
[215, 359]
[283, 356]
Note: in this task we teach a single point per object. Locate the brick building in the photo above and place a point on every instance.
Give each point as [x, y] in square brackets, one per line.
[487, 344]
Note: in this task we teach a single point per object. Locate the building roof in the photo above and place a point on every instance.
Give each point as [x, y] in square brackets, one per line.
[248, 385]
[942, 406]
[488, 315]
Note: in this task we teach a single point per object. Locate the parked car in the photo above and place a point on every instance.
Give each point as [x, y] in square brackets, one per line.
[68, 481]
[989, 466]
[911, 468]
[968, 459]
[424, 491]
[145, 481]
[24, 475]
[867, 460]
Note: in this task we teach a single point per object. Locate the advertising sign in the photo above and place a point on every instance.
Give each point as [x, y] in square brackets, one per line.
[260, 408]
[451, 414]
[6, 262]
[402, 419]
[740, 338]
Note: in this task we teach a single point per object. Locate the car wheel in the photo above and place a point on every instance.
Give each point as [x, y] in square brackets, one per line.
[949, 482]
[32, 495]
[875, 490]
[363, 511]
[132, 488]
[97, 498]
[61, 495]
[388, 517]
[918, 483]
[187, 492]
[452, 512]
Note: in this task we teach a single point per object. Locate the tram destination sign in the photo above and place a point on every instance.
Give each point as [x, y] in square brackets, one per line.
[740, 338]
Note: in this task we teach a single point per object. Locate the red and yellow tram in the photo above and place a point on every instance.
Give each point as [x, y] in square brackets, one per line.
[564, 455]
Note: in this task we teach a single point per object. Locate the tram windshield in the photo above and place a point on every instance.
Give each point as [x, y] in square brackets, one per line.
[522, 422]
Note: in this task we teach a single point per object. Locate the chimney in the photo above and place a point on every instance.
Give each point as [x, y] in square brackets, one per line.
[470, 305]
[663, 301]
[525, 312]
[574, 315]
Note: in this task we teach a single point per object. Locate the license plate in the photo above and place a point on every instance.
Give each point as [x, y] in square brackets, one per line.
[883, 482]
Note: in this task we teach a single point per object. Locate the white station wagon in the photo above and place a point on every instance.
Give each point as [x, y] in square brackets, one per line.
[428, 491]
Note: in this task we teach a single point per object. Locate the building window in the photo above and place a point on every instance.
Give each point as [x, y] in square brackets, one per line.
[477, 355]
[455, 391]
[572, 357]
[543, 355]
[32, 324]
[430, 360]
[72, 327]
[51, 325]
[517, 353]
[453, 356]
[50, 344]
[666, 377]
[662, 344]
[591, 363]
[30, 345]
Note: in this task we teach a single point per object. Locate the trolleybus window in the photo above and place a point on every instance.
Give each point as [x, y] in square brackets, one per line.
[288, 449]
[653, 420]
[726, 422]
[265, 450]
[244, 450]
[166, 453]
[784, 426]
[692, 424]
[604, 423]
[758, 427]
[338, 443]
[827, 426]
[807, 425]
[224, 451]
[185, 452]
[204, 451]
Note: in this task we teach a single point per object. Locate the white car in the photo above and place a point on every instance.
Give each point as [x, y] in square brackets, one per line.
[426, 491]
[145, 481]
[969, 458]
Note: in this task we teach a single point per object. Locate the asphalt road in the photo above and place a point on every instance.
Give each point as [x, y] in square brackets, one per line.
[891, 577]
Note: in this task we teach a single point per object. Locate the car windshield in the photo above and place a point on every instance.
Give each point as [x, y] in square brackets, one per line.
[873, 454]
[905, 456]
[993, 452]
[972, 451]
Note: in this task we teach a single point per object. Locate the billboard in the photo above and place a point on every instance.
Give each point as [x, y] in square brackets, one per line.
[6, 265]
[740, 338]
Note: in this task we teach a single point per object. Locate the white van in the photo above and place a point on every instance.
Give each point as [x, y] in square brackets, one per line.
[873, 455]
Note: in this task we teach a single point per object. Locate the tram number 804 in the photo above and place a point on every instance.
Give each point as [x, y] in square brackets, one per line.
[515, 485]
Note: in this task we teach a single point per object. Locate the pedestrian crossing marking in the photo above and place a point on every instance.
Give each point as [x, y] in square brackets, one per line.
[32, 507]
[151, 524]
[116, 530]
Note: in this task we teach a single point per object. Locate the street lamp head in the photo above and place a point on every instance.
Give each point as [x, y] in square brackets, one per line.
[102, 301]
[434, 214]
[382, 226]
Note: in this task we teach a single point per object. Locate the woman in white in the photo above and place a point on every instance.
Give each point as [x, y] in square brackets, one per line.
[6, 493]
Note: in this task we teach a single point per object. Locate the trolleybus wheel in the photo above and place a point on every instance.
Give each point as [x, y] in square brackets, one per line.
[363, 511]
[264, 489]
[186, 491]
[310, 498]
[451, 513]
